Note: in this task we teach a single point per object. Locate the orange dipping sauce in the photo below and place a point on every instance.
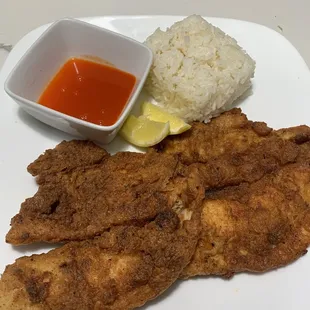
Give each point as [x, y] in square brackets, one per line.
[88, 90]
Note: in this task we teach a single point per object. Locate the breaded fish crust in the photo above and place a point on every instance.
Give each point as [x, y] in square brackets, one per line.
[247, 227]
[66, 156]
[122, 269]
[229, 133]
[255, 227]
[127, 188]
[250, 165]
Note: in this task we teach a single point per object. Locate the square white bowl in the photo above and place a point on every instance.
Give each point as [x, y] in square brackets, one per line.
[63, 40]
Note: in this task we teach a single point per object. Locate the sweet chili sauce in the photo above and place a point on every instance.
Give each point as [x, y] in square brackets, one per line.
[92, 91]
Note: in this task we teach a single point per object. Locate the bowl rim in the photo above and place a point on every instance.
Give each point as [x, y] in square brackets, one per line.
[36, 106]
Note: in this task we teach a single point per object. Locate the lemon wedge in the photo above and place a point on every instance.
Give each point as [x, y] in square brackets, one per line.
[155, 113]
[143, 132]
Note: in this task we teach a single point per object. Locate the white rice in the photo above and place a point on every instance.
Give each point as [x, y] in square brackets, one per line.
[198, 70]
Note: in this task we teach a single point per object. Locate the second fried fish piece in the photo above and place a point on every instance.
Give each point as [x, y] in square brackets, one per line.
[122, 269]
[255, 227]
[230, 149]
[127, 188]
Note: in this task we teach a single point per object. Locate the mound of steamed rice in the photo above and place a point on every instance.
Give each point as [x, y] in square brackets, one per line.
[198, 70]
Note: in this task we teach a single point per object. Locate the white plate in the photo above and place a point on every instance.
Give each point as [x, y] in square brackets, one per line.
[281, 98]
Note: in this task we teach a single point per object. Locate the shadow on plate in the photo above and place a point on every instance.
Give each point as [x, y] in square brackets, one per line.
[117, 145]
[43, 129]
[238, 102]
[41, 246]
[211, 277]
[244, 96]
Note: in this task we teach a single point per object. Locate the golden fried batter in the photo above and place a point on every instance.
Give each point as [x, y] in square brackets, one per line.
[248, 166]
[255, 227]
[143, 212]
[238, 230]
[231, 132]
[231, 149]
[300, 136]
[122, 269]
[127, 188]
[66, 156]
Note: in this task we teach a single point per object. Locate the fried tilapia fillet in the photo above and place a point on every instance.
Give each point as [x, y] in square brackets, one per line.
[229, 133]
[141, 213]
[121, 269]
[240, 221]
[83, 202]
[255, 227]
[230, 149]
[251, 153]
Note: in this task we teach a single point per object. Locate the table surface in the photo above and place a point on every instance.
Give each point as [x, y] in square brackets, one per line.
[291, 18]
